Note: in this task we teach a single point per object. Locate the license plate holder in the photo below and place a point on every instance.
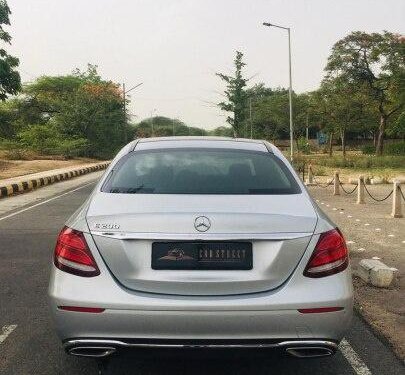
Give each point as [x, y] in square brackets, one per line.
[208, 255]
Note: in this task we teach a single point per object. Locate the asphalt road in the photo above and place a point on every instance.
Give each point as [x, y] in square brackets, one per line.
[28, 344]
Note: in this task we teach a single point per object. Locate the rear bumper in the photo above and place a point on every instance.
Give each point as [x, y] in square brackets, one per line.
[202, 325]
[99, 348]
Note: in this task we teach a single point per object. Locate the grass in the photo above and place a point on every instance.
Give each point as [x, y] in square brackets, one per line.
[354, 164]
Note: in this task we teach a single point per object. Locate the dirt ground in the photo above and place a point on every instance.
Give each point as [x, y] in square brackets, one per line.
[15, 168]
[370, 232]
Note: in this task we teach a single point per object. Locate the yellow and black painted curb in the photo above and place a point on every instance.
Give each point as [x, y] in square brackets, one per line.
[25, 186]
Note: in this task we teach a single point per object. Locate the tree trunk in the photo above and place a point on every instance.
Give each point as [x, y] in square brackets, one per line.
[380, 137]
[343, 138]
[330, 144]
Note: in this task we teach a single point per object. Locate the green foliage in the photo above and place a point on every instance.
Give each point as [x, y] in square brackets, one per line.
[303, 145]
[48, 140]
[80, 106]
[358, 161]
[13, 149]
[374, 62]
[221, 131]
[368, 150]
[236, 96]
[164, 127]
[395, 149]
[10, 81]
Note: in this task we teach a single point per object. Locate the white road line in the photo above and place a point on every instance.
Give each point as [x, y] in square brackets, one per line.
[43, 202]
[391, 235]
[377, 229]
[359, 367]
[349, 216]
[5, 331]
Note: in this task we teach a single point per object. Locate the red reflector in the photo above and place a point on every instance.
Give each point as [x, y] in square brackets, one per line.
[320, 310]
[95, 310]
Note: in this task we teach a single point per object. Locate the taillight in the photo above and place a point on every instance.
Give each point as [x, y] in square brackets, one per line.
[72, 254]
[329, 257]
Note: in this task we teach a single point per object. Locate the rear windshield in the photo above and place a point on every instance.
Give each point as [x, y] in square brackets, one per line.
[200, 171]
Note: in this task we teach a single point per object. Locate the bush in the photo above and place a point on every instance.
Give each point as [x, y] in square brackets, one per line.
[368, 150]
[47, 140]
[304, 146]
[13, 150]
[395, 149]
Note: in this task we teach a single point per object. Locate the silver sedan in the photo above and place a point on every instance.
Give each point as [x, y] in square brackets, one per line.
[200, 242]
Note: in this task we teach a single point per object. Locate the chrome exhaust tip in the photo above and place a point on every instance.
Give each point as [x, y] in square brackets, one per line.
[92, 351]
[309, 351]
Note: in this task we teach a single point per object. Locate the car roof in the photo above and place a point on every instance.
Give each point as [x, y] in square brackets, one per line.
[205, 142]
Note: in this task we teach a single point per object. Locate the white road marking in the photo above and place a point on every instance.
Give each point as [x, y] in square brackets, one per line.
[357, 219]
[391, 235]
[403, 241]
[5, 331]
[367, 224]
[43, 202]
[349, 216]
[350, 242]
[341, 212]
[328, 205]
[377, 229]
[361, 249]
[334, 209]
[359, 367]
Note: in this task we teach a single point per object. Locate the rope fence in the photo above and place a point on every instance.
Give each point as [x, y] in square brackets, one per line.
[361, 188]
[348, 192]
[377, 199]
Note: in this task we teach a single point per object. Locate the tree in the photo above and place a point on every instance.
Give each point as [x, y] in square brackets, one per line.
[10, 81]
[164, 127]
[378, 60]
[79, 106]
[236, 96]
[345, 106]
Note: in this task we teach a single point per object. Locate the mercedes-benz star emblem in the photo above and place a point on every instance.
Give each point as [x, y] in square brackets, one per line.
[202, 223]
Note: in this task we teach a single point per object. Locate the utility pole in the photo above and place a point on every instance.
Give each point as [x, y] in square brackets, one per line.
[290, 86]
[124, 93]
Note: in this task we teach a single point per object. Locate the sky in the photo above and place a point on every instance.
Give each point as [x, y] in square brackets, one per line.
[175, 47]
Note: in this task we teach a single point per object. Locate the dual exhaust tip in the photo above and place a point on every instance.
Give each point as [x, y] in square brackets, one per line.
[297, 351]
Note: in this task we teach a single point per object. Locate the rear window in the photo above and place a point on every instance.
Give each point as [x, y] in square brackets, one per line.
[200, 171]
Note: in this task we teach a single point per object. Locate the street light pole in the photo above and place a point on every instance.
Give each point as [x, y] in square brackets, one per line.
[290, 88]
[124, 93]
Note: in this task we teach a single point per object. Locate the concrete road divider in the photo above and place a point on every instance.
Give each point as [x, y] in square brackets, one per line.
[376, 273]
[26, 183]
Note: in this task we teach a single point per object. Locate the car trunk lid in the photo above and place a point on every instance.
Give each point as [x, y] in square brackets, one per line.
[124, 228]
